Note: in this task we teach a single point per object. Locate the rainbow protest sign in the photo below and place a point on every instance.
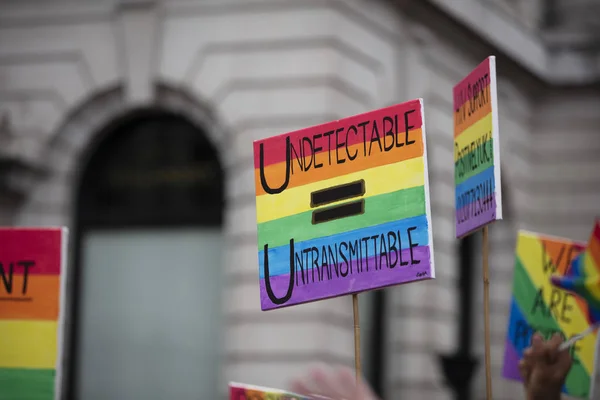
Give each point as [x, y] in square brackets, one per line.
[343, 207]
[583, 278]
[538, 306]
[477, 150]
[239, 391]
[32, 268]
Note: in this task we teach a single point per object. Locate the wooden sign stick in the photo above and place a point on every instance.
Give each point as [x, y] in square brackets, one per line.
[486, 314]
[476, 121]
[356, 338]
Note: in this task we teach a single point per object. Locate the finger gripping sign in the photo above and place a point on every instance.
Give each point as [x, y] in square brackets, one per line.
[477, 150]
[343, 207]
[32, 283]
[538, 306]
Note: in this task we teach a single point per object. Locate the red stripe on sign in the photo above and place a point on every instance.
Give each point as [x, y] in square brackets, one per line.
[38, 250]
[336, 134]
[473, 83]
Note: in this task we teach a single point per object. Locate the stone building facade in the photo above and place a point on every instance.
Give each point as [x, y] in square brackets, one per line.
[248, 69]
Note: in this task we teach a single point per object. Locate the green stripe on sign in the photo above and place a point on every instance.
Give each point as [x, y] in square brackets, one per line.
[524, 291]
[489, 148]
[380, 209]
[26, 384]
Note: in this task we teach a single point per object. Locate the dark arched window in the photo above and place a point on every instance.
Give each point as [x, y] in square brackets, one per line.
[152, 169]
[149, 210]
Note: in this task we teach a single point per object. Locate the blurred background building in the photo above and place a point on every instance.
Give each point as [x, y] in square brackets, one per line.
[132, 121]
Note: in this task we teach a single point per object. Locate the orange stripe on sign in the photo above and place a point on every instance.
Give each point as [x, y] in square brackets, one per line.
[40, 301]
[275, 174]
[469, 120]
[560, 254]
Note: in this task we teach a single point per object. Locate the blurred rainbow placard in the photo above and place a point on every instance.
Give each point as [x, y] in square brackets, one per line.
[478, 191]
[583, 278]
[538, 306]
[240, 391]
[32, 284]
[343, 207]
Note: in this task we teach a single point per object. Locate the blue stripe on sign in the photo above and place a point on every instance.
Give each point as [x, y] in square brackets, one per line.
[279, 257]
[516, 317]
[472, 182]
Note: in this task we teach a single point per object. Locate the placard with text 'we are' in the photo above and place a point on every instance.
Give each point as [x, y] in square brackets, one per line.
[539, 306]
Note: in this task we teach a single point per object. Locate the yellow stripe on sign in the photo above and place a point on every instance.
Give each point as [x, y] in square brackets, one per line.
[472, 133]
[28, 344]
[379, 180]
[590, 269]
[529, 252]
[591, 273]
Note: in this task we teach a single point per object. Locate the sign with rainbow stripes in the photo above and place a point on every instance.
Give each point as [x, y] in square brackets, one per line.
[538, 306]
[32, 270]
[478, 190]
[343, 207]
[240, 391]
[583, 278]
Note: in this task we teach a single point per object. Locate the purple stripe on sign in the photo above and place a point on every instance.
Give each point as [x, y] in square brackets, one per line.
[356, 280]
[511, 363]
[467, 221]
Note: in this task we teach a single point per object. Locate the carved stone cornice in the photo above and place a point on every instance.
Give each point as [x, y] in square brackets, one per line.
[550, 57]
[573, 26]
[18, 174]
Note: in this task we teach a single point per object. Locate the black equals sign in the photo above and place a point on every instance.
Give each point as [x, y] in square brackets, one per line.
[337, 193]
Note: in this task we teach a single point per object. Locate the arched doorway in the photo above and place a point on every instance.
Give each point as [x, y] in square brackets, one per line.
[147, 273]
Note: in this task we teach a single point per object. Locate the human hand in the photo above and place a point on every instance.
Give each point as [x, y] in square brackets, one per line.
[544, 368]
[337, 384]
